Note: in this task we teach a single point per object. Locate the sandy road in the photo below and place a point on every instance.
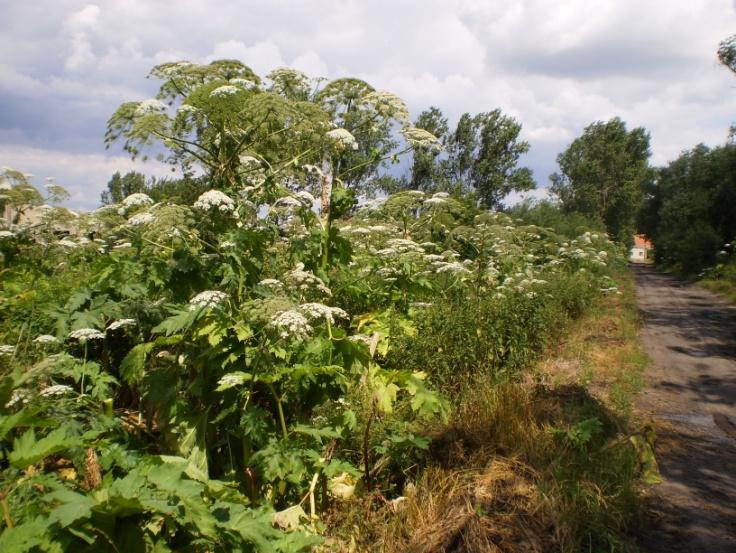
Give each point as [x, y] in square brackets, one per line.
[691, 396]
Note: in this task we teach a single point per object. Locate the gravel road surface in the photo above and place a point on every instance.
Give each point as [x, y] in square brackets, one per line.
[690, 336]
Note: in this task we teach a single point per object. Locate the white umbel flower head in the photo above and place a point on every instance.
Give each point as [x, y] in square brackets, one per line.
[68, 243]
[214, 199]
[18, 397]
[343, 137]
[56, 390]
[321, 311]
[268, 282]
[6, 234]
[46, 339]
[421, 138]
[121, 323]
[152, 105]
[304, 280]
[85, 334]
[208, 298]
[6, 350]
[292, 324]
[140, 219]
[225, 90]
[137, 199]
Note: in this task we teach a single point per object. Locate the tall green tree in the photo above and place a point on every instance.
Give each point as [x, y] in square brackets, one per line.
[603, 173]
[426, 171]
[690, 210]
[119, 186]
[479, 156]
[483, 155]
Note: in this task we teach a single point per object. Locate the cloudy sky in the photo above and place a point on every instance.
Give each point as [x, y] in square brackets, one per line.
[555, 65]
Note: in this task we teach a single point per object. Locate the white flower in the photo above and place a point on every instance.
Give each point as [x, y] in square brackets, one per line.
[46, 339]
[121, 323]
[441, 195]
[206, 299]
[451, 267]
[6, 350]
[84, 334]
[362, 338]
[141, 219]
[17, 397]
[388, 104]
[151, 105]
[303, 280]
[186, 108]
[6, 234]
[435, 201]
[244, 83]
[122, 245]
[270, 282]
[137, 199]
[56, 390]
[343, 137]
[321, 311]
[225, 90]
[291, 323]
[215, 199]
[421, 138]
[68, 243]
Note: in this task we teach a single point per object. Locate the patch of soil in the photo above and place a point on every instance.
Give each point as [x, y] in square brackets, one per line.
[690, 335]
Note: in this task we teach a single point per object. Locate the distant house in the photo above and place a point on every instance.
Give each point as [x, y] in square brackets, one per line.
[641, 250]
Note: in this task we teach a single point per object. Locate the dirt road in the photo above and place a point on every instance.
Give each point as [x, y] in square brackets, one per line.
[691, 395]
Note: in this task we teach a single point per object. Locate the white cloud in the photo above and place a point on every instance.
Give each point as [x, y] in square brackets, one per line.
[85, 176]
[262, 57]
[555, 66]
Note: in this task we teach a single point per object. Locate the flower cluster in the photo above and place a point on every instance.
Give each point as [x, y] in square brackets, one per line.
[85, 334]
[225, 90]
[56, 390]
[136, 200]
[343, 137]
[321, 311]
[121, 323]
[292, 324]
[140, 219]
[46, 339]
[304, 280]
[7, 350]
[207, 298]
[152, 105]
[421, 138]
[214, 199]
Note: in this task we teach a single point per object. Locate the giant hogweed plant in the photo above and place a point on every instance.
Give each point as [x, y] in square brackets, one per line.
[173, 375]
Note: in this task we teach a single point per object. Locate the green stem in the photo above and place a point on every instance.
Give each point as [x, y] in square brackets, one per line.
[280, 409]
[84, 367]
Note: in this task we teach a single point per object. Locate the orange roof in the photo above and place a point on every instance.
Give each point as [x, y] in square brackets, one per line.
[640, 241]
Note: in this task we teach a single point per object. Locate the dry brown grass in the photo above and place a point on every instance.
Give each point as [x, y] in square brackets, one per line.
[499, 480]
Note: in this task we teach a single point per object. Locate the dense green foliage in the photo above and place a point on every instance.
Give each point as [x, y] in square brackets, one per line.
[210, 372]
[179, 190]
[480, 156]
[690, 210]
[545, 213]
[602, 175]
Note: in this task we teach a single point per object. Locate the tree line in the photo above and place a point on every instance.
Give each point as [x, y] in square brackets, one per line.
[604, 178]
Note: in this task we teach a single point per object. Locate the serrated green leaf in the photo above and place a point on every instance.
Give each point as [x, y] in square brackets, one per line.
[28, 450]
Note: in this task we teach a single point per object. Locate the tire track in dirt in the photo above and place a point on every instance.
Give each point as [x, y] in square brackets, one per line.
[690, 336]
